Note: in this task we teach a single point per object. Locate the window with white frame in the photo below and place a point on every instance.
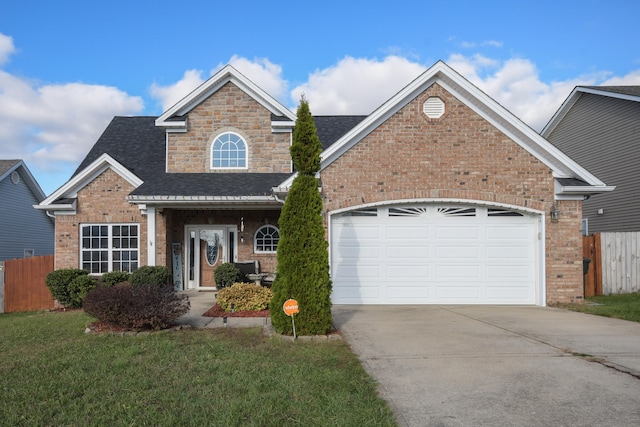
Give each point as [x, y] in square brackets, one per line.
[266, 239]
[229, 151]
[109, 247]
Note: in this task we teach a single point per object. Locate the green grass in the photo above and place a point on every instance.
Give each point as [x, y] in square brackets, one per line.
[53, 374]
[625, 306]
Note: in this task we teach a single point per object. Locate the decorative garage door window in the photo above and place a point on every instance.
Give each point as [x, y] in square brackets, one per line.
[493, 212]
[109, 247]
[363, 212]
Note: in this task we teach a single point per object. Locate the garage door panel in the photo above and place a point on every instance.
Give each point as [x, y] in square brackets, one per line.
[454, 293]
[444, 233]
[510, 293]
[357, 232]
[508, 232]
[458, 271]
[403, 292]
[411, 272]
[409, 254]
[408, 233]
[449, 252]
[512, 252]
[364, 251]
[357, 293]
[361, 271]
[508, 272]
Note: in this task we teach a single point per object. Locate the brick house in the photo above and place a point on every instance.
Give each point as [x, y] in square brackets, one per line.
[438, 196]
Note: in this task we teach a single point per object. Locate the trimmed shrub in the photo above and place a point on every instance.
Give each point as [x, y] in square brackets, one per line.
[158, 275]
[58, 282]
[114, 277]
[226, 275]
[79, 288]
[146, 306]
[245, 297]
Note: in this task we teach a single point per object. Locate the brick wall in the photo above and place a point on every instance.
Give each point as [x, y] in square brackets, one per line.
[229, 109]
[458, 156]
[101, 201]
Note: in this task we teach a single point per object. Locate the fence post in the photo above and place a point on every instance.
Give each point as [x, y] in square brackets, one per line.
[1, 287]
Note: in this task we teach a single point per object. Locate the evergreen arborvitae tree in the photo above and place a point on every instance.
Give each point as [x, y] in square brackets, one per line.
[303, 259]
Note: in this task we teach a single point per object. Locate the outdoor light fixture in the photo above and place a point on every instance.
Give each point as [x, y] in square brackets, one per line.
[555, 212]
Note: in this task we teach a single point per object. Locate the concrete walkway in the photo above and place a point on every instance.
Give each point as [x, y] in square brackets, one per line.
[498, 366]
[201, 301]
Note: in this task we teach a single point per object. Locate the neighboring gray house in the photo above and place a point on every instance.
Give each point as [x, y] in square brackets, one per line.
[24, 230]
[599, 128]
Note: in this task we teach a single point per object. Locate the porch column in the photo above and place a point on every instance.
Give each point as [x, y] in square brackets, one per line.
[151, 235]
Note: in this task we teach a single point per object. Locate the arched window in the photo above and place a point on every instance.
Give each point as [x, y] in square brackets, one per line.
[229, 151]
[266, 239]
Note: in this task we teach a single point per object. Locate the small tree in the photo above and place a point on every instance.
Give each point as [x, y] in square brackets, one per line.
[303, 259]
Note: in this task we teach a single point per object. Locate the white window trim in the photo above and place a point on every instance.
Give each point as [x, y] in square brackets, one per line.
[110, 247]
[255, 240]
[246, 151]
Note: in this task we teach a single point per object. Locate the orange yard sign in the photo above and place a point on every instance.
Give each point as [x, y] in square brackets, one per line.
[290, 307]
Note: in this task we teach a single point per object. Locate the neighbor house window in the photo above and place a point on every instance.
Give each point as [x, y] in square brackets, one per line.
[267, 238]
[229, 151]
[109, 247]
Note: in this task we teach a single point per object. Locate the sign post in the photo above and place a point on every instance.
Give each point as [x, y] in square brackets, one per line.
[290, 308]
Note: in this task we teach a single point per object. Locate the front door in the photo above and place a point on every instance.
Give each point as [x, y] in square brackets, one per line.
[208, 246]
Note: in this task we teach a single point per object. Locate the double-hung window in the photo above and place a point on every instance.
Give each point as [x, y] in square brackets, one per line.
[109, 247]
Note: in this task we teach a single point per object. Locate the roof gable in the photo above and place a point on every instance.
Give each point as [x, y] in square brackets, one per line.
[174, 119]
[626, 93]
[7, 167]
[561, 165]
[63, 199]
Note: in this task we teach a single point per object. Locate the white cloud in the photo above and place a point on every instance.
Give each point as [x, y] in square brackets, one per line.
[263, 73]
[170, 95]
[52, 126]
[515, 84]
[356, 85]
[6, 48]
[260, 71]
[631, 79]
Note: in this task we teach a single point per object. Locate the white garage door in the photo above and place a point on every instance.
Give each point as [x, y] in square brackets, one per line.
[434, 254]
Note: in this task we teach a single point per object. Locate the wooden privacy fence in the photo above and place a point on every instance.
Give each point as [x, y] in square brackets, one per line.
[593, 276]
[615, 263]
[25, 286]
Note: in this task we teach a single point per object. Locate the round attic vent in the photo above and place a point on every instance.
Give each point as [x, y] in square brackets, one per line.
[15, 177]
[433, 107]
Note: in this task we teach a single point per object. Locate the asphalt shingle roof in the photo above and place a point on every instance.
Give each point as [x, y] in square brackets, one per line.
[137, 144]
[211, 184]
[330, 128]
[624, 90]
[5, 165]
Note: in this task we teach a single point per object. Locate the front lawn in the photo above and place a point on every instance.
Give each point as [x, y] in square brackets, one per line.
[625, 306]
[52, 373]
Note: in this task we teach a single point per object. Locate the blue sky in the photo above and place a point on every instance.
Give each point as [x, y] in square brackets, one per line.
[68, 67]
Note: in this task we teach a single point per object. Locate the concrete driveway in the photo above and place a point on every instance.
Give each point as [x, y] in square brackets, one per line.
[498, 366]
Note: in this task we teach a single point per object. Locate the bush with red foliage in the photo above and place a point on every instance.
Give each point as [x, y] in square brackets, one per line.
[136, 307]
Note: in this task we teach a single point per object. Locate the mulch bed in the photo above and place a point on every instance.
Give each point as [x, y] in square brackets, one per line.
[217, 311]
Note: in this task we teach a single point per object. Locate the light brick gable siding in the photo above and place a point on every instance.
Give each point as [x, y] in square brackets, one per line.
[458, 156]
[229, 109]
